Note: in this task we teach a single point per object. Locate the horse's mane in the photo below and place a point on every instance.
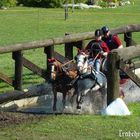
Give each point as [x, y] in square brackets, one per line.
[83, 51]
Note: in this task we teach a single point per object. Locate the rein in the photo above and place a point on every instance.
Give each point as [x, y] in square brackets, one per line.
[67, 69]
[67, 62]
[96, 57]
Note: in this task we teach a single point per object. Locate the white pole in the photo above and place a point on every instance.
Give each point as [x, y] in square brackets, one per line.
[66, 10]
[72, 5]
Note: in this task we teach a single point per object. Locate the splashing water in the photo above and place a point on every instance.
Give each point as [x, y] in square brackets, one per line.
[93, 103]
[131, 92]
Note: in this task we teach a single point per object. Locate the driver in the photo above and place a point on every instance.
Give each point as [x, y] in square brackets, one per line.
[97, 50]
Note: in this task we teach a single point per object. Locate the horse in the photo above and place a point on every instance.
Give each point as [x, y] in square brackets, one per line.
[61, 76]
[89, 79]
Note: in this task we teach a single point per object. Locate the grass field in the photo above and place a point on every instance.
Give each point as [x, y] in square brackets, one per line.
[21, 24]
[77, 127]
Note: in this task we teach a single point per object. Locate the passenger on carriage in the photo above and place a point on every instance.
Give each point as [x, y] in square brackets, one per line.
[97, 50]
[112, 41]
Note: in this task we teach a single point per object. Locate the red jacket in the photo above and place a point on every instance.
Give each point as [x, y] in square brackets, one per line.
[112, 41]
[102, 45]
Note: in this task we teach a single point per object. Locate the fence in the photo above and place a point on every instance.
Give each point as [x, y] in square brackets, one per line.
[71, 40]
[117, 61]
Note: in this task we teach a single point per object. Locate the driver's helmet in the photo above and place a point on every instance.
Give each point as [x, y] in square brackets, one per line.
[98, 33]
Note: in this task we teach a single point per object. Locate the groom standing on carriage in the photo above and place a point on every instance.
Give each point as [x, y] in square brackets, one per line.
[97, 50]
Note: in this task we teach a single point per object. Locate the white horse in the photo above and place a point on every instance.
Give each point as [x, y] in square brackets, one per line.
[89, 79]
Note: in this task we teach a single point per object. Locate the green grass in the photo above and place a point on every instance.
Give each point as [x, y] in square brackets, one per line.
[76, 127]
[28, 24]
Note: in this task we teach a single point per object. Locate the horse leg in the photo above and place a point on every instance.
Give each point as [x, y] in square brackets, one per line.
[64, 100]
[103, 91]
[72, 97]
[55, 100]
[79, 101]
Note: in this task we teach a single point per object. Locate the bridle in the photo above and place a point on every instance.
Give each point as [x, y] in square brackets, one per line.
[54, 68]
[81, 62]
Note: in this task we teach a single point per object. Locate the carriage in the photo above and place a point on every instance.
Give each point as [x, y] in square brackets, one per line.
[80, 78]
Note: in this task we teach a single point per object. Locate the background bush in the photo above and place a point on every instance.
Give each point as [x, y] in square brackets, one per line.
[106, 3]
[47, 3]
[52, 3]
[8, 3]
[41, 3]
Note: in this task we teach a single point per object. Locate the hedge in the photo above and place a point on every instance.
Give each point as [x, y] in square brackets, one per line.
[47, 3]
[52, 3]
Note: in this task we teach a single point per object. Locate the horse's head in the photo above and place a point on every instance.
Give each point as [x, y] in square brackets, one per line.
[53, 68]
[56, 69]
[82, 62]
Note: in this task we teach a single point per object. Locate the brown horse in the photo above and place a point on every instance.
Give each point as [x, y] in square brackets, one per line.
[61, 77]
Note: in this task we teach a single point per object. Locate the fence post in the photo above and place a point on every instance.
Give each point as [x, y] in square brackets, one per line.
[66, 11]
[17, 56]
[49, 51]
[68, 49]
[80, 45]
[128, 38]
[112, 77]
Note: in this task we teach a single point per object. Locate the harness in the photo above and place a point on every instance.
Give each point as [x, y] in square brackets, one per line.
[85, 75]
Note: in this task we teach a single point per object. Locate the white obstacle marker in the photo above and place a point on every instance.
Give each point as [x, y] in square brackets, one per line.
[117, 107]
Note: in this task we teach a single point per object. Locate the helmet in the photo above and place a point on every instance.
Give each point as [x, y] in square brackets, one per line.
[98, 33]
[105, 29]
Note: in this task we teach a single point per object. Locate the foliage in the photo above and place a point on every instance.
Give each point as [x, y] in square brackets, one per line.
[108, 3]
[8, 3]
[52, 3]
[47, 3]
[75, 1]
[40, 3]
[102, 3]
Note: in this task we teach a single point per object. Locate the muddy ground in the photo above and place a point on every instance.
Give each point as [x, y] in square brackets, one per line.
[13, 118]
